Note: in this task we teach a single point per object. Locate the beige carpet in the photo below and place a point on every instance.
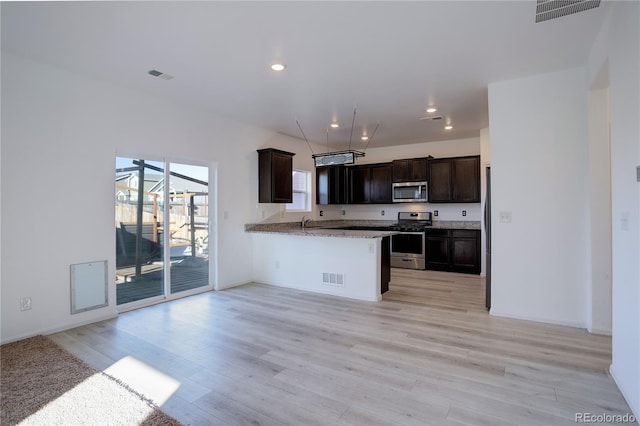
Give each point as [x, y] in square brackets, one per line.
[43, 384]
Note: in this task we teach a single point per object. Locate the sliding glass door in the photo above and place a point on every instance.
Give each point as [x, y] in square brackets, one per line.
[188, 226]
[162, 230]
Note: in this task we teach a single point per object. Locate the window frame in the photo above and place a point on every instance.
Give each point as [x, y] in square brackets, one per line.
[288, 207]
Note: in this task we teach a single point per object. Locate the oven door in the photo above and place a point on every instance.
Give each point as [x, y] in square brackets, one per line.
[408, 250]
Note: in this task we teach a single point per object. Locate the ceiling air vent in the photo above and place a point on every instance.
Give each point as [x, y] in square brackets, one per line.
[434, 118]
[160, 74]
[552, 9]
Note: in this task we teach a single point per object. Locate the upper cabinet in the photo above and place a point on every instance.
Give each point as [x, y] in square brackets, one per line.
[331, 185]
[450, 180]
[410, 170]
[275, 176]
[370, 184]
[454, 180]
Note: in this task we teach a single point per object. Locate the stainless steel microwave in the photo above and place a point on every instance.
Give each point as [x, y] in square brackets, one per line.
[410, 192]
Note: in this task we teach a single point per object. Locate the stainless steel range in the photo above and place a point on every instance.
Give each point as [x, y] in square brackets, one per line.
[408, 247]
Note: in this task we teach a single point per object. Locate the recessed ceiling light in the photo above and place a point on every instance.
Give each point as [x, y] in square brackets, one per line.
[334, 125]
[430, 110]
[365, 138]
[278, 66]
[448, 127]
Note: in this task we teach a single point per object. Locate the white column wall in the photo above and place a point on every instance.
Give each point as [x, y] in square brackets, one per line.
[599, 232]
[538, 165]
[618, 46]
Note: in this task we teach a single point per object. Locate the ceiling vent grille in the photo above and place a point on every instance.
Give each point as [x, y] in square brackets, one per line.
[433, 117]
[552, 9]
[160, 74]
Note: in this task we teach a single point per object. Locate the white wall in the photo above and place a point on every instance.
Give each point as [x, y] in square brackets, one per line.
[538, 165]
[599, 214]
[618, 44]
[300, 261]
[60, 135]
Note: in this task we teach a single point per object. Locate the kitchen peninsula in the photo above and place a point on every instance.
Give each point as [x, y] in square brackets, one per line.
[323, 259]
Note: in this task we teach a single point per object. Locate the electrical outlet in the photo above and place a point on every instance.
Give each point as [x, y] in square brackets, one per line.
[381, 212]
[435, 212]
[344, 212]
[25, 303]
[505, 217]
[321, 213]
[464, 212]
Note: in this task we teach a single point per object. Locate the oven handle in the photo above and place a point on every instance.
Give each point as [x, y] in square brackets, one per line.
[410, 233]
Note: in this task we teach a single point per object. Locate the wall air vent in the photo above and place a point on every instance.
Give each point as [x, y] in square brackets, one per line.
[330, 278]
[552, 9]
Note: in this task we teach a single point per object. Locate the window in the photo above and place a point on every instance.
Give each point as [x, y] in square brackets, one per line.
[301, 192]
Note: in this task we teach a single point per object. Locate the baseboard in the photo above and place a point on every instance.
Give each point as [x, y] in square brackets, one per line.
[493, 312]
[52, 330]
[310, 290]
[634, 410]
[224, 287]
[600, 331]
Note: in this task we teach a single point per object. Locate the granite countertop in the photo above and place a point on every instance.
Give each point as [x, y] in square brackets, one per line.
[456, 224]
[332, 228]
[341, 233]
[318, 229]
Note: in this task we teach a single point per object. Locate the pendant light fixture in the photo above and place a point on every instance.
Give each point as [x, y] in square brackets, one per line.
[347, 156]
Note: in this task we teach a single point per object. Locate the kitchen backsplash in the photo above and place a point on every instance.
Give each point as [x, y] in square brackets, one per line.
[461, 212]
[274, 213]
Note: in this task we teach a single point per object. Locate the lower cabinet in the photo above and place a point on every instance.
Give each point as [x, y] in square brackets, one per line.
[453, 250]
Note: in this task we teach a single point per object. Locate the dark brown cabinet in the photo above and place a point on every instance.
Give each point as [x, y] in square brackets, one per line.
[438, 253]
[359, 183]
[454, 180]
[410, 170]
[331, 185]
[465, 251]
[370, 184]
[440, 181]
[380, 186]
[454, 250]
[275, 179]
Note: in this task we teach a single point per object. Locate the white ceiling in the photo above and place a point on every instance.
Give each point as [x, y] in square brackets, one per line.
[392, 59]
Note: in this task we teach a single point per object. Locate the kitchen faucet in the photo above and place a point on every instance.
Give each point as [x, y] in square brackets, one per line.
[304, 221]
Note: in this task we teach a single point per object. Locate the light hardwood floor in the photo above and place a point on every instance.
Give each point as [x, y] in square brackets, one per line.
[427, 354]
